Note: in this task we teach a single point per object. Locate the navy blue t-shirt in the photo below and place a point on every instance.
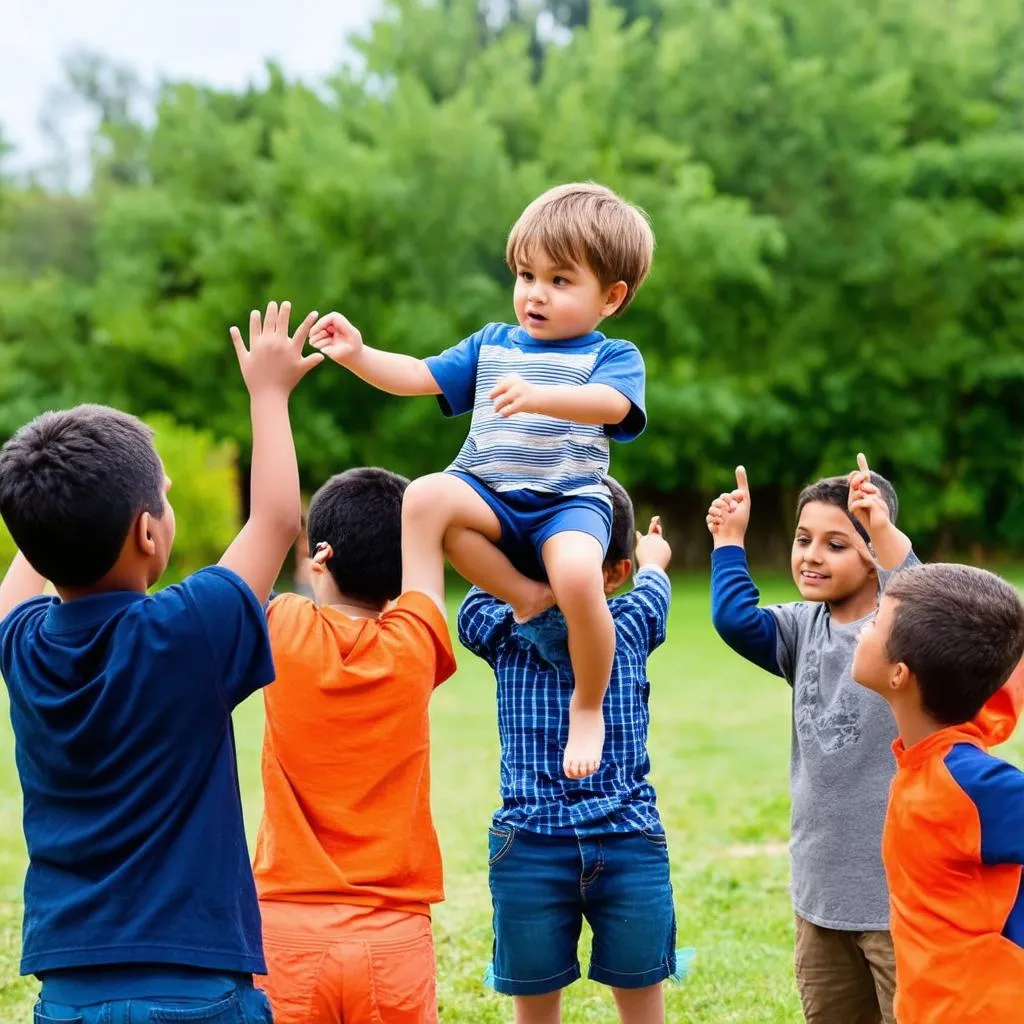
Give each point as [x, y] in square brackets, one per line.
[121, 706]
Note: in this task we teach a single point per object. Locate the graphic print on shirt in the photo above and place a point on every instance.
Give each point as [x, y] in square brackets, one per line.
[832, 725]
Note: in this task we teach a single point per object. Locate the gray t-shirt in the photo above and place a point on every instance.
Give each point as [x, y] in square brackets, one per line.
[841, 767]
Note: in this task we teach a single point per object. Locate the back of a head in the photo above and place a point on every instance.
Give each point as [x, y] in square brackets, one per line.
[623, 533]
[72, 484]
[835, 490]
[359, 513]
[588, 225]
[960, 630]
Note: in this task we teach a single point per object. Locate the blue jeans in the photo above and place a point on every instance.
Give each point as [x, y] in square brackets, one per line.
[238, 1003]
[542, 887]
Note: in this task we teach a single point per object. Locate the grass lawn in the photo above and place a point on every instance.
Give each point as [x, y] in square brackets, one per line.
[720, 747]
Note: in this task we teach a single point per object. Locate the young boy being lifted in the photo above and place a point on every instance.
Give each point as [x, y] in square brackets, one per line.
[546, 393]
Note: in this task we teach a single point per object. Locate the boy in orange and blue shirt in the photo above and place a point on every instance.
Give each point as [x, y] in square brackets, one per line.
[944, 643]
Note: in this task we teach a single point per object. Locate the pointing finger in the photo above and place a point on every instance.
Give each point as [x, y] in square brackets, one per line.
[741, 479]
[862, 462]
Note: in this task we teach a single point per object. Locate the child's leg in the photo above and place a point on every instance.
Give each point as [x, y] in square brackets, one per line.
[833, 977]
[431, 505]
[476, 559]
[877, 949]
[546, 1009]
[574, 565]
[641, 1005]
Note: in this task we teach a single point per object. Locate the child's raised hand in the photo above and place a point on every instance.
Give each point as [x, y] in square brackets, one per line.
[274, 361]
[729, 514]
[866, 504]
[336, 338]
[651, 547]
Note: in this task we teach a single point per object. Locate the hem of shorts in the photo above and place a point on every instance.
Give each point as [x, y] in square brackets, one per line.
[536, 987]
[840, 926]
[620, 979]
[115, 956]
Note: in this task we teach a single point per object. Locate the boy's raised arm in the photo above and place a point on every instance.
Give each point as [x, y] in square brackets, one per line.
[20, 583]
[890, 545]
[271, 367]
[393, 372]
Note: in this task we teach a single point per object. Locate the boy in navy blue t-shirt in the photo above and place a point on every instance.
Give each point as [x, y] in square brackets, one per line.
[139, 887]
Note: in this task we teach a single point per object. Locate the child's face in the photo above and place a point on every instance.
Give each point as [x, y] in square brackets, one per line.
[871, 665]
[830, 560]
[555, 302]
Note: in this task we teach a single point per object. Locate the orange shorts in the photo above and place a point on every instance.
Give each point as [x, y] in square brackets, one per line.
[335, 963]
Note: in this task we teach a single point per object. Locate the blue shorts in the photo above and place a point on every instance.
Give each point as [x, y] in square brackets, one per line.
[146, 994]
[528, 520]
[542, 887]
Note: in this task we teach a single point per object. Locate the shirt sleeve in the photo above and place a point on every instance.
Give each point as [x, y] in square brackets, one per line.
[751, 631]
[885, 575]
[15, 627]
[996, 789]
[417, 615]
[483, 623]
[235, 628]
[643, 612]
[619, 365]
[454, 372]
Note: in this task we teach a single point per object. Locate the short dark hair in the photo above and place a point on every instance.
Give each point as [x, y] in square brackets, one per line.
[623, 533]
[359, 513]
[960, 630]
[72, 483]
[835, 490]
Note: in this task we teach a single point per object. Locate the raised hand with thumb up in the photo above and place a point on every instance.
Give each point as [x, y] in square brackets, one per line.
[729, 514]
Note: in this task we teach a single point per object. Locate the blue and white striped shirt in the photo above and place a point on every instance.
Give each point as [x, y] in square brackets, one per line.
[535, 682]
[529, 451]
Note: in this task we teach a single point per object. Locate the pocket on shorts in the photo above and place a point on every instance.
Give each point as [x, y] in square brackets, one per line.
[499, 842]
[39, 1017]
[658, 839]
[404, 981]
[223, 1011]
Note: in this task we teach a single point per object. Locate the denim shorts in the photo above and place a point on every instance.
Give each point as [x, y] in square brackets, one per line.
[529, 520]
[218, 999]
[542, 888]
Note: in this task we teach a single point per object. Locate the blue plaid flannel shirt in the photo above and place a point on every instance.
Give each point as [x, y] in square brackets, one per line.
[534, 676]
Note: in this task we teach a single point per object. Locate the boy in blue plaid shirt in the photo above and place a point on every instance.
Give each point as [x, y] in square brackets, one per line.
[561, 849]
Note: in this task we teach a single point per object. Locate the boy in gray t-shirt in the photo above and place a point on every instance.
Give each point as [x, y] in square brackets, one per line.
[845, 549]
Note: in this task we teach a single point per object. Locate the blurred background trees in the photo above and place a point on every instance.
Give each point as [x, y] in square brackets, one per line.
[837, 192]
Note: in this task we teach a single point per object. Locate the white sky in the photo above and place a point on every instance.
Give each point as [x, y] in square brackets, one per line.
[221, 42]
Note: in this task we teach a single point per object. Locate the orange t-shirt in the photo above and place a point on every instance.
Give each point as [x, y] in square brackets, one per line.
[953, 848]
[346, 756]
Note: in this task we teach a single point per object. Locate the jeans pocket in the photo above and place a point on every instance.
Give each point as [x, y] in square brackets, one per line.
[499, 842]
[223, 1011]
[40, 1017]
[658, 839]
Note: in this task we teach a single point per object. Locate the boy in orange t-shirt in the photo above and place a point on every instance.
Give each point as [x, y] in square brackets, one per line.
[944, 642]
[347, 861]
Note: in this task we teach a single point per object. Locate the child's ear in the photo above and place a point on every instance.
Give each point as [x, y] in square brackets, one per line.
[142, 532]
[616, 574]
[614, 298]
[901, 679]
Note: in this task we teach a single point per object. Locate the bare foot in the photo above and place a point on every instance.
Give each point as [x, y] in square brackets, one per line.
[586, 741]
[538, 598]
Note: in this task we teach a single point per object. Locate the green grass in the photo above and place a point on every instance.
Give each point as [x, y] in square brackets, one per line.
[720, 747]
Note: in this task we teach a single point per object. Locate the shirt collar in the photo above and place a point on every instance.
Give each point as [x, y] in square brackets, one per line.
[924, 750]
[68, 616]
[523, 340]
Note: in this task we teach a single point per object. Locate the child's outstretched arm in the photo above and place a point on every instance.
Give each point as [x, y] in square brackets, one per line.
[582, 403]
[890, 545]
[748, 629]
[393, 372]
[271, 367]
[20, 583]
